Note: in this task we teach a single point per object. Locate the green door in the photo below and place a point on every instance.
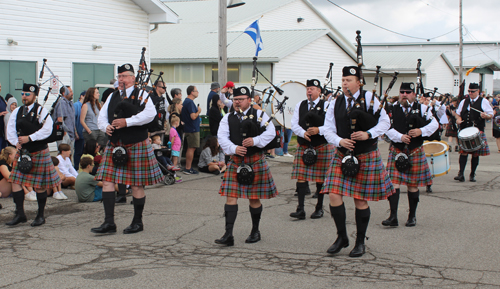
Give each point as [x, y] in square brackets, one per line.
[13, 74]
[87, 75]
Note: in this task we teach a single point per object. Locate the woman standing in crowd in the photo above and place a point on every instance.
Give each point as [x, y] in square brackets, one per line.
[88, 117]
[11, 105]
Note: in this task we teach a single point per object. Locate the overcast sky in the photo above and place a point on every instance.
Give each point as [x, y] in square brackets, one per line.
[418, 18]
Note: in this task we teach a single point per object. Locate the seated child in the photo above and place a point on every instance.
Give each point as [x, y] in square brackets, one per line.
[87, 189]
[212, 158]
[65, 165]
[57, 190]
[165, 161]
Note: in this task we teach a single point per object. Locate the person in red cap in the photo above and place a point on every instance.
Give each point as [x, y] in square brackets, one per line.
[225, 93]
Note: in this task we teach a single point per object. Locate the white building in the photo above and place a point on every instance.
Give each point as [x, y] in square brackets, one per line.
[83, 41]
[298, 44]
[485, 56]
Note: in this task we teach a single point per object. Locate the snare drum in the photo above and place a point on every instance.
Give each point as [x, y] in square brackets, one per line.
[296, 93]
[469, 139]
[437, 157]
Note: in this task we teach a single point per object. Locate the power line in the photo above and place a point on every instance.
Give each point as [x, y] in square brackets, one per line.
[392, 31]
[475, 41]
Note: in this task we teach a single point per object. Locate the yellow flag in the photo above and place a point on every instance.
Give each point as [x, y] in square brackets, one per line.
[470, 70]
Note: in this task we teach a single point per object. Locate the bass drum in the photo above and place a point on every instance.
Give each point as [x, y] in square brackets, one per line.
[296, 92]
[437, 157]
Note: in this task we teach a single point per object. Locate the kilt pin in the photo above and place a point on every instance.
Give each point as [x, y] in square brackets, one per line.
[141, 170]
[43, 175]
[263, 186]
[372, 183]
[419, 175]
[316, 172]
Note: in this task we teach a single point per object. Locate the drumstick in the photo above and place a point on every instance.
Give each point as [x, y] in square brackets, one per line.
[476, 110]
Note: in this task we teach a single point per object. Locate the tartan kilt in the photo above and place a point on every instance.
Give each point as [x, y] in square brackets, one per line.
[141, 170]
[372, 183]
[450, 131]
[263, 186]
[317, 172]
[419, 175]
[43, 175]
[484, 151]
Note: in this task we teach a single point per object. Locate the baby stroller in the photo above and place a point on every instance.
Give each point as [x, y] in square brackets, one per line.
[163, 157]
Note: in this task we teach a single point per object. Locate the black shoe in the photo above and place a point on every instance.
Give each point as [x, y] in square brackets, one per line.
[338, 245]
[428, 189]
[456, 149]
[104, 228]
[39, 220]
[315, 196]
[120, 199]
[317, 214]
[1, 206]
[253, 238]
[358, 250]
[392, 221]
[299, 214]
[460, 178]
[133, 228]
[17, 219]
[472, 178]
[411, 222]
[226, 240]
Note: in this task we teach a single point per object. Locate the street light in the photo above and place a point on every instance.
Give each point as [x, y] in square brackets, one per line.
[222, 72]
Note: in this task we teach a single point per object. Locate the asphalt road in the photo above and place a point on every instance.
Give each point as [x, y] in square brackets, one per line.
[454, 244]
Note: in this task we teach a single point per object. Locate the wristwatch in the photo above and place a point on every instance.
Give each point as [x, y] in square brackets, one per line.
[369, 135]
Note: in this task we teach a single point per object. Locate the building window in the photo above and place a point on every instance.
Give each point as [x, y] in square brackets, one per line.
[456, 83]
[189, 73]
[233, 73]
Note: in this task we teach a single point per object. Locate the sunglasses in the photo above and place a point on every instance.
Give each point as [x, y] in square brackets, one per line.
[405, 91]
[25, 93]
[239, 99]
[471, 91]
[164, 87]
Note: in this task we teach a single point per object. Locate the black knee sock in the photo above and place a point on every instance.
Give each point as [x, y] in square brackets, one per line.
[301, 192]
[338, 215]
[255, 214]
[463, 162]
[122, 190]
[319, 204]
[394, 202]
[413, 199]
[18, 198]
[362, 220]
[108, 201]
[474, 162]
[138, 208]
[231, 211]
[41, 199]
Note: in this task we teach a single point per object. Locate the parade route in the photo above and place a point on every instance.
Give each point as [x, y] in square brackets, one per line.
[452, 246]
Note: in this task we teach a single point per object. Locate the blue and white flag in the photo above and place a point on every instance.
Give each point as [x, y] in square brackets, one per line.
[254, 31]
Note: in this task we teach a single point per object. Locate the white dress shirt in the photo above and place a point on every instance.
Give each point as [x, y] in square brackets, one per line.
[330, 131]
[40, 134]
[441, 112]
[485, 105]
[427, 130]
[296, 128]
[259, 141]
[144, 117]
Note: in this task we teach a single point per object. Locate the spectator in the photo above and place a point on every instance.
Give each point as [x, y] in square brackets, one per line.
[496, 125]
[86, 188]
[6, 159]
[89, 115]
[91, 150]
[175, 140]
[215, 114]
[66, 111]
[66, 167]
[3, 112]
[11, 105]
[190, 115]
[175, 109]
[79, 142]
[226, 93]
[214, 90]
[156, 144]
[156, 95]
[110, 90]
[57, 190]
[175, 93]
[286, 141]
[212, 158]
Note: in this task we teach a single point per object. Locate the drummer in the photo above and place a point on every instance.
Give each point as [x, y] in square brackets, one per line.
[410, 124]
[474, 111]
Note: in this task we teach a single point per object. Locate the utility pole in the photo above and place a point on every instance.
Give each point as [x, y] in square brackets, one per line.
[460, 47]
[222, 72]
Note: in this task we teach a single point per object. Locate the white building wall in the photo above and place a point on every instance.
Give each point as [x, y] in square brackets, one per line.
[279, 19]
[63, 32]
[312, 61]
[439, 75]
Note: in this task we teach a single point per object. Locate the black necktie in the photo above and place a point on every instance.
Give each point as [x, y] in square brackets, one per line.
[349, 106]
[240, 116]
[311, 105]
